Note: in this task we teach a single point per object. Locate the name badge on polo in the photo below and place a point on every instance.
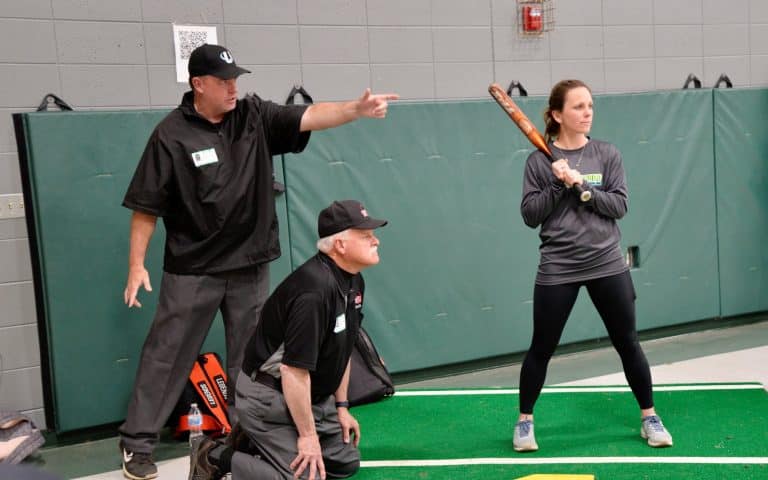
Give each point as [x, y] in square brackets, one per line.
[341, 324]
[204, 157]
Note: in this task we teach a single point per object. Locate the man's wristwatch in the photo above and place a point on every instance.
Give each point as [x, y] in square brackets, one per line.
[344, 404]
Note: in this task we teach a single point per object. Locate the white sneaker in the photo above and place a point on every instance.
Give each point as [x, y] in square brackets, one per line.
[653, 430]
[524, 439]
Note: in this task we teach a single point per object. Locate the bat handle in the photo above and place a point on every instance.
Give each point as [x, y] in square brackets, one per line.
[584, 195]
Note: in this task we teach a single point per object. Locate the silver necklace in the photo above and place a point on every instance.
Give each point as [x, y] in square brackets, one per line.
[581, 154]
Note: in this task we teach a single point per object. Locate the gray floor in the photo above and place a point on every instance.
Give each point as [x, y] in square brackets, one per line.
[733, 354]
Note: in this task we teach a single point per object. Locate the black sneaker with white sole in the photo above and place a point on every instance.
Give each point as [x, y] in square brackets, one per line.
[137, 465]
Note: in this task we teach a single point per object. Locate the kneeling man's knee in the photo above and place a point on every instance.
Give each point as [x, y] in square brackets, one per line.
[347, 469]
[344, 467]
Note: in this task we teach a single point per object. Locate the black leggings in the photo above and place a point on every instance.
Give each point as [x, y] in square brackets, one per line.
[614, 298]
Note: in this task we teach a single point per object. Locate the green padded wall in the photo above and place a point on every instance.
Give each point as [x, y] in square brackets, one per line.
[741, 149]
[455, 281]
[666, 141]
[78, 167]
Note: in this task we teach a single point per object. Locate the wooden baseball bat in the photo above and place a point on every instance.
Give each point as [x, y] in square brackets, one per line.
[529, 129]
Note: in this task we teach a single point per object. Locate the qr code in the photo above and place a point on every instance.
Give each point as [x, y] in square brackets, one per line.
[189, 40]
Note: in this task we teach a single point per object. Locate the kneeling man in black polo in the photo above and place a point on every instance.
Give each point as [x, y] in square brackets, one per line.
[291, 395]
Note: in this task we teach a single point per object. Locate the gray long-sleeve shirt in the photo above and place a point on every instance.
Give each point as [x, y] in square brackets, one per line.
[579, 241]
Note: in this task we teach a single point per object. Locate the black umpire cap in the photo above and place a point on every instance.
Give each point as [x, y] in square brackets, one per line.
[344, 214]
[213, 60]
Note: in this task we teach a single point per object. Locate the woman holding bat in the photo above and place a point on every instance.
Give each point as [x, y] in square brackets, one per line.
[579, 247]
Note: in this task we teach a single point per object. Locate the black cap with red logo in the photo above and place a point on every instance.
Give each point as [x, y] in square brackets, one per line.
[344, 214]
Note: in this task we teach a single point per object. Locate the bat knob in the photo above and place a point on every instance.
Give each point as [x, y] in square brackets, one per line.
[585, 196]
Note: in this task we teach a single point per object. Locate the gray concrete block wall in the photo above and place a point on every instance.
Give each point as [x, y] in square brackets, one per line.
[114, 54]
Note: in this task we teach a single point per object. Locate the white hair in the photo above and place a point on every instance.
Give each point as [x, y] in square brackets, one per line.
[325, 244]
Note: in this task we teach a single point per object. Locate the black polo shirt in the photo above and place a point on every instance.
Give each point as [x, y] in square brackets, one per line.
[212, 183]
[310, 321]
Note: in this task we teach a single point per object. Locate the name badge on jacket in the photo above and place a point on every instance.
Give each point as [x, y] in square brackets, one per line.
[204, 157]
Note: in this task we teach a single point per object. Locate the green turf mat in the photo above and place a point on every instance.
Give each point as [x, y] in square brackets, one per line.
[580, 423]
[601, 472]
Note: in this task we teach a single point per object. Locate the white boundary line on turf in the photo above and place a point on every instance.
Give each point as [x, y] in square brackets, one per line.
[507, 391]
[563, 460]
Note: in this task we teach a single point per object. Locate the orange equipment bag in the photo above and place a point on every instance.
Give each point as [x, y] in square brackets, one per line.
[208, 388]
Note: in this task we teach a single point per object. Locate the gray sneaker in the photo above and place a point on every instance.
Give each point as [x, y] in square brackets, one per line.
[524, 440]
[653, 430]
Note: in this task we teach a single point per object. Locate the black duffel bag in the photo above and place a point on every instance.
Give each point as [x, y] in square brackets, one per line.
[369, 380]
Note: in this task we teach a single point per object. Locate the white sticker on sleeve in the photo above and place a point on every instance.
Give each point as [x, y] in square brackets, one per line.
[341, 324]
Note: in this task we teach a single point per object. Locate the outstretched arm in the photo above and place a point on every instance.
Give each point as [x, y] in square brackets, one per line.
[332, 114]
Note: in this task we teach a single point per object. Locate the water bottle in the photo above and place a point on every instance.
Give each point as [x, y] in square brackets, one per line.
[195, 423]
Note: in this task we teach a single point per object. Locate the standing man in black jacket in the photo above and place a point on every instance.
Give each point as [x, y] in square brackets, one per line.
[207, 171]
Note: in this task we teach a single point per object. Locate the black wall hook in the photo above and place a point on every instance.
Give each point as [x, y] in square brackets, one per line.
[298, 89]
[692, 78]
[50, 98]
[519, 86]
[724, 79]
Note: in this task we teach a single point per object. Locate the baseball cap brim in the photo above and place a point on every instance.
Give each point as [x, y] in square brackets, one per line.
[232, 72]
[370, 224]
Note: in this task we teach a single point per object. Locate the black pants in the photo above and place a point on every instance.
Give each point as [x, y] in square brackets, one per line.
[614, 298]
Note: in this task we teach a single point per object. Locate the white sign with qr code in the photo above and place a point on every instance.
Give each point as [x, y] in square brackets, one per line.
[185, 39]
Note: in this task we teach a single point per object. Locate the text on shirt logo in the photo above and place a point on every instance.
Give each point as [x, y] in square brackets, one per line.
[594, 178]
